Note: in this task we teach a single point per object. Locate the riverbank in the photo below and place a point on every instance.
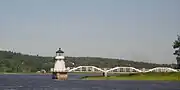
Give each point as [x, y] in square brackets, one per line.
[49, 73]
[139, 76]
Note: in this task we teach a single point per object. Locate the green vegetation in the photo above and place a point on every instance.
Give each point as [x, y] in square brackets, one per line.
[142, 76]
[176, 45]
[13, 62]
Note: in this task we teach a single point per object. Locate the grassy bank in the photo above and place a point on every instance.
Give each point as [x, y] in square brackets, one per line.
[139, 76]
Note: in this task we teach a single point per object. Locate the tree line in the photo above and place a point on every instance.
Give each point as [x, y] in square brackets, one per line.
[17, 62]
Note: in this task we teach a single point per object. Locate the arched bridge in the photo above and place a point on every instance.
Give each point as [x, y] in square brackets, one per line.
[86, 69]
[94, 69]
[162, 69]
[120, 69]
[123, 70]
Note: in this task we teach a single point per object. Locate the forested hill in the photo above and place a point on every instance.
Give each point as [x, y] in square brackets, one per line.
[17, 62]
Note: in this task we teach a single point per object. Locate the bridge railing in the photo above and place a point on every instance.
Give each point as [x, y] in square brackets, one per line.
[86, 69]
[162, 69]
[123, 69]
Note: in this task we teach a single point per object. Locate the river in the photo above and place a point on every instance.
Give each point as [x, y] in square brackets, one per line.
[44, 82]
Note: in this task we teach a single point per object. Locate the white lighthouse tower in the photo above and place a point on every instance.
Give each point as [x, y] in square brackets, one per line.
[59, 71]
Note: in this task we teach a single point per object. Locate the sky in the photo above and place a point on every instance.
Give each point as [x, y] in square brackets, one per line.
[139, 30]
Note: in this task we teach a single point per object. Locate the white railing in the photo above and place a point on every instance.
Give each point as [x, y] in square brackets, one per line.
[162, 69]
[123, 69]
[86, 69]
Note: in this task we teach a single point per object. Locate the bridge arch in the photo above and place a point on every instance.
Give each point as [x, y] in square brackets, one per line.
[86, 69]
[162, 69]
[124, 70]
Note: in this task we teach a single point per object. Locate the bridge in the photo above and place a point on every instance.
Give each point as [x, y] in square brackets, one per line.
[94, 69]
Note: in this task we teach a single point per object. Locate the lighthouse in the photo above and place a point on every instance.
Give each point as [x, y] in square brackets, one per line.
[59, 71]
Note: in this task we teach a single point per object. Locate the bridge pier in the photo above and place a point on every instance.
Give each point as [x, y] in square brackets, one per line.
[105, 74]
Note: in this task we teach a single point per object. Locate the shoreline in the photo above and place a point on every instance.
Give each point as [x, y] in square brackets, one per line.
[172, 76]
[47, 73]
[21, 73]
[139, 76]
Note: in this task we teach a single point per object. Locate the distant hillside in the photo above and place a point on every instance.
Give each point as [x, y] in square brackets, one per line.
[17, 62]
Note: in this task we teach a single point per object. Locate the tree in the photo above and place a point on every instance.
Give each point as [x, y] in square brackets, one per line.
[176, 46]
[17, 62]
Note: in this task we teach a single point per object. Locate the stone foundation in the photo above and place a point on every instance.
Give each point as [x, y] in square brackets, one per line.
[60, 75]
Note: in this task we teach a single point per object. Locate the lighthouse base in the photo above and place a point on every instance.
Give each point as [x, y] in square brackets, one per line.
[60, 75]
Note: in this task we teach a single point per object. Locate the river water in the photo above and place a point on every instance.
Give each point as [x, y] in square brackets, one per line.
[44, 82]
